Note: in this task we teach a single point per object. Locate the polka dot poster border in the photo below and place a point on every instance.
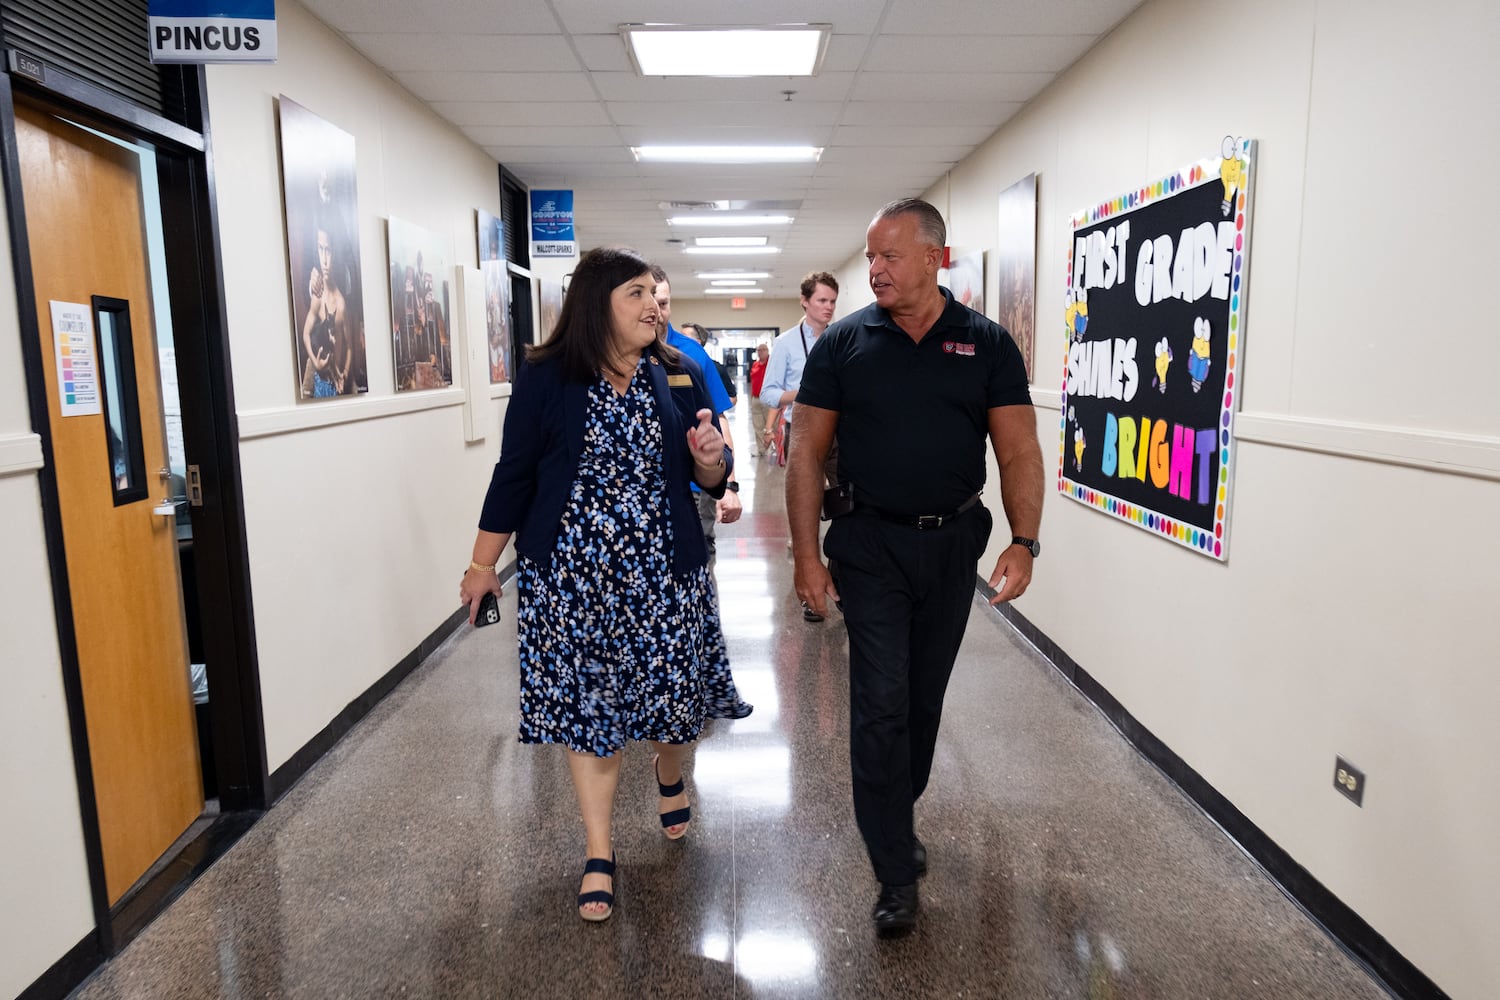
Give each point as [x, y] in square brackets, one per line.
[1207, 542]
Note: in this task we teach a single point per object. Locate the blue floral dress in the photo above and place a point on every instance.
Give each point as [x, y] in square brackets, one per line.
[614, 645]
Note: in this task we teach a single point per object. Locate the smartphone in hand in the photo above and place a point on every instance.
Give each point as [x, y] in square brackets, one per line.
[489, 610]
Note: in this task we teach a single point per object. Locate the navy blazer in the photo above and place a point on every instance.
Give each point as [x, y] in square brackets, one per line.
[543, 442]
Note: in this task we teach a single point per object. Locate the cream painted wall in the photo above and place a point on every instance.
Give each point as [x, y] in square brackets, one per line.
[1351, 616]
[358, 530]
[44, 888]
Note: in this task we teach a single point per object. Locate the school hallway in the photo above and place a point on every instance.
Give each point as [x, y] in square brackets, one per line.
[429, 854]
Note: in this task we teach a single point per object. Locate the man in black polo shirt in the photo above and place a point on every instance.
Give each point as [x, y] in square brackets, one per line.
[911, 387]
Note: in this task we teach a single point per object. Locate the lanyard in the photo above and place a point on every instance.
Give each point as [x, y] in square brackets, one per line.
[802, 333]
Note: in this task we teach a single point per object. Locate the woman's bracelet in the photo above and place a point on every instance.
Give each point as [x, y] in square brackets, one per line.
[481, 567]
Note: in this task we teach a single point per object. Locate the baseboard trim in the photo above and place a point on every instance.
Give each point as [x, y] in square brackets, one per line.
[287, 775]
[1359, 940]
[68, 972]
[146, 901]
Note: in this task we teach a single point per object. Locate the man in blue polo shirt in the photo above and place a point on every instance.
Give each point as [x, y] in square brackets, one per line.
[906, 547]
[710, 511]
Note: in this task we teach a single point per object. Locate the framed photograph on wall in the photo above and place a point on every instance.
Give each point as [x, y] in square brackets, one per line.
[966, 280]
[322, 243]
[420, 313]
[1015, 268]
[496, 298]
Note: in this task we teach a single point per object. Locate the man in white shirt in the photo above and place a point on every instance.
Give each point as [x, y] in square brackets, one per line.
[820, 294]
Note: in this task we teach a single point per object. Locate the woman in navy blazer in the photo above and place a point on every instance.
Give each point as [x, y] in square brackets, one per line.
[618, 624]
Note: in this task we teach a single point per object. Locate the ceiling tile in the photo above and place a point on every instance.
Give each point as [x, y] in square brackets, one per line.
[987, 87]
[506, 113]
[978, 53]
[875, 155]
[931, 113]
[629, 86]
[519, 136]
[727, 114]
[671, 133]
[1003, 17]
[937, 135]
[591, 16]
[603, 53]
[522, 87]
[480, 53]
[467, 17]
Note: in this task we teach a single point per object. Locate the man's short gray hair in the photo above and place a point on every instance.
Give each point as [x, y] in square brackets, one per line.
[930, 223]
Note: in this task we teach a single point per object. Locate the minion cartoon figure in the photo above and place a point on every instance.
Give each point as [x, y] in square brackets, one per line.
[1163, 362]
[1232, 172]
[1198, 359]
[1078, 446]
[1076, 316]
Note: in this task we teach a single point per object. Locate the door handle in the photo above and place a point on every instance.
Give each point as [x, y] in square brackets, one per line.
[167, 508]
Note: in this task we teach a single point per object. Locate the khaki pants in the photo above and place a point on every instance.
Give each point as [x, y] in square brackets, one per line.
[757, 425]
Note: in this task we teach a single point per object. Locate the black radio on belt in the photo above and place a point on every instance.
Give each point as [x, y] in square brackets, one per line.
[838, 501]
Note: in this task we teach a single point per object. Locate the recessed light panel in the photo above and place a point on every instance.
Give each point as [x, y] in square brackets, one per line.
[727, 154]
[694, 50]
[732, 250]
[730, 241]
[729, 220]
[733, 291]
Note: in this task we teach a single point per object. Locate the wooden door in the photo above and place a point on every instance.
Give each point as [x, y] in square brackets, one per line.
[84, 222]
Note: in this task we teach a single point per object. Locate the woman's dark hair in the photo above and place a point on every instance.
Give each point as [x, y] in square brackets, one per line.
[584, 334]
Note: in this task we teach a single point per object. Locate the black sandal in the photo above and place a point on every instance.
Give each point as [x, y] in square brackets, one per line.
[598, 895]
[677, 816]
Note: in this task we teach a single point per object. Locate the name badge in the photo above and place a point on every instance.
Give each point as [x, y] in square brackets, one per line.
[679, 380]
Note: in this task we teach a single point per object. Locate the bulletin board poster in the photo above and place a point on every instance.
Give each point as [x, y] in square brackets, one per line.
[1155, 326]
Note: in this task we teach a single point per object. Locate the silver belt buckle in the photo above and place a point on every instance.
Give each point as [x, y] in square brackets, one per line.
[926, 521]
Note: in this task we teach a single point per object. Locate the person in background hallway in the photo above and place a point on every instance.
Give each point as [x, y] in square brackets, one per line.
[820, 294]
[725, 508]
[701, 336]
[906, 554]
[618, 625]
[757, 407]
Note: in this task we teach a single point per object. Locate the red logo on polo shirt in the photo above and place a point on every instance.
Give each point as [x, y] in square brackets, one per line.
[953, 347]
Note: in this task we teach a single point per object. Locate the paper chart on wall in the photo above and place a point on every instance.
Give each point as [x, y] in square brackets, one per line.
[77, 365]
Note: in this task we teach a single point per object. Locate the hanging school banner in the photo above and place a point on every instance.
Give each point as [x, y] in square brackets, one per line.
[1155, 320]
[552, 224]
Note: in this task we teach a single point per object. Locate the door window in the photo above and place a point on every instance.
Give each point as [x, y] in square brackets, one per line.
[122, 413]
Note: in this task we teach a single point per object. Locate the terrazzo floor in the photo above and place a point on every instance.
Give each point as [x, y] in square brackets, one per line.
[431, 855]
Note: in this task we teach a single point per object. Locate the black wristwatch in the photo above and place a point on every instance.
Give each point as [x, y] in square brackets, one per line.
[732, 485]
[1032, 545]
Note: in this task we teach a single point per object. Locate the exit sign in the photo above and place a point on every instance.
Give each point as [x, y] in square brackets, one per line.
[738, 303]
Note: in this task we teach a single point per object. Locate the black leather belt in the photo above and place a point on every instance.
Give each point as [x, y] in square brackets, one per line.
[922, 522]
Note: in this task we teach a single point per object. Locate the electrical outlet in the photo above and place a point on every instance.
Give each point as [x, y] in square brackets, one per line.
[1349, 780]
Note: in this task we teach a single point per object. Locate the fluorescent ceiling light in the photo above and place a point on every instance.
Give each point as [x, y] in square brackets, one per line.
[710, 275]
[727, 154]
[733, 283]
[731, 241]
[727, 50]
[731, 250]
[729, 220]
[733, 291]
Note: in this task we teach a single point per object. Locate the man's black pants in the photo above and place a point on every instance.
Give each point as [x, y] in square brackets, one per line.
[906, 596]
